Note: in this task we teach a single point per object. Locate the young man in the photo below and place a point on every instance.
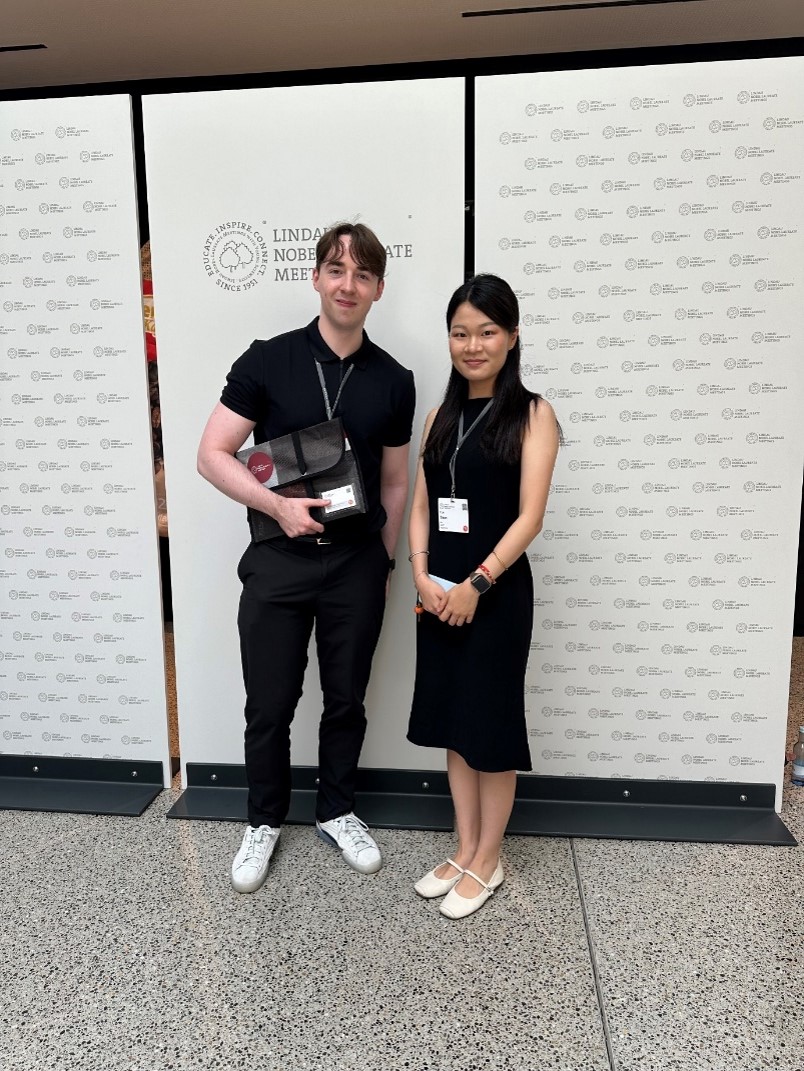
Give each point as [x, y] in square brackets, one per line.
[334, 578]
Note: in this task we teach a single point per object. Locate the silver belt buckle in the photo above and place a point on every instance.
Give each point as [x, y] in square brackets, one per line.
[322, 541]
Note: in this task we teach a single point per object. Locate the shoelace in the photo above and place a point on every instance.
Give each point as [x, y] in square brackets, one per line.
[356, 832]
[256, 839]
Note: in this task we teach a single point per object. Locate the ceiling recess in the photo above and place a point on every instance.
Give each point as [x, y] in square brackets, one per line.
[20, 48]
[545, 9]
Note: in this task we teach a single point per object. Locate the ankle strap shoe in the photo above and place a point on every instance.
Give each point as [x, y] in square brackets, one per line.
[431, 886]
[456, 906]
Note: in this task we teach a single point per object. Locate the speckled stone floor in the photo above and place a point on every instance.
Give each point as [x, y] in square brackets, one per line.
[124, 949]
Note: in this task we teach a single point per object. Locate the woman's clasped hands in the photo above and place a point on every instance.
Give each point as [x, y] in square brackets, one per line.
[454, 607]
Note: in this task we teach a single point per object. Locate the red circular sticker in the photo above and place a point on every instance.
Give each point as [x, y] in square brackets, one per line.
[261, 466]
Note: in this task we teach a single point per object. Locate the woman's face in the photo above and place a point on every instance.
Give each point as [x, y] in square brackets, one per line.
[478, 348]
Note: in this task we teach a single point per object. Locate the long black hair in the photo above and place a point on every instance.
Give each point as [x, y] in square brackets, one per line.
[501, 439]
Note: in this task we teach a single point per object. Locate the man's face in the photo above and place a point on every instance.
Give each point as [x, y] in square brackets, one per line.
[347, 290]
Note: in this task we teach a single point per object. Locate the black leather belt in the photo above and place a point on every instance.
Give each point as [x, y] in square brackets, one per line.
[322, 540]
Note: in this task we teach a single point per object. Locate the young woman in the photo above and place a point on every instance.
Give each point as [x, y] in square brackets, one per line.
[479, 501]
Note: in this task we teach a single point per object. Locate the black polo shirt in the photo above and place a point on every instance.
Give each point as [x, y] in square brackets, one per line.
[276, 385]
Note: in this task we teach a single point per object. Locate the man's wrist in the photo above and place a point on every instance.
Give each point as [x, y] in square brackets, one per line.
[272, 504]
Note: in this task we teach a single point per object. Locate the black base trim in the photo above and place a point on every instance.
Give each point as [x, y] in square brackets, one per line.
[78, 786]
[702, 811]
[386, 799]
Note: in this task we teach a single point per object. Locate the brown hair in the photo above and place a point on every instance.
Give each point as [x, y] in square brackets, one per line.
[367, 249]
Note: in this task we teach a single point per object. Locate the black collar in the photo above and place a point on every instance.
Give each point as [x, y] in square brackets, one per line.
[323, 353]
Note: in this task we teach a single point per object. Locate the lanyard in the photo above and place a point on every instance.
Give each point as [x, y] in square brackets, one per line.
[331, 408]
[462, 437]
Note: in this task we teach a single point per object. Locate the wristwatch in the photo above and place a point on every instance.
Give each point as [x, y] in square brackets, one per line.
[480, 583]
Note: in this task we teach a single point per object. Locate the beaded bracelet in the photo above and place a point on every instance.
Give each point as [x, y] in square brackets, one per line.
[483, 569]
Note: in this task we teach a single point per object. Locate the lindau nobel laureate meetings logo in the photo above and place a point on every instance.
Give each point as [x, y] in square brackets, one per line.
[235, 256]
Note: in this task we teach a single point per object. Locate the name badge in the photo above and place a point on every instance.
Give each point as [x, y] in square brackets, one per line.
[339, 498]
[453, 515]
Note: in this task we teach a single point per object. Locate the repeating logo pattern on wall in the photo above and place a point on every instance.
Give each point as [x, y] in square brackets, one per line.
[81, 663]
[650, 220]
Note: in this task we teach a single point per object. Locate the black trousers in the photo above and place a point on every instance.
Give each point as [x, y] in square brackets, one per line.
[289, 586]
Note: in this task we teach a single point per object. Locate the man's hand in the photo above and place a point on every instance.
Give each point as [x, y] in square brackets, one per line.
[293, 515]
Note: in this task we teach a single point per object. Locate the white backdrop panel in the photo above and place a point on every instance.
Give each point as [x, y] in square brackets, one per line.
[239, 182]
[82, 667]
[651, 220]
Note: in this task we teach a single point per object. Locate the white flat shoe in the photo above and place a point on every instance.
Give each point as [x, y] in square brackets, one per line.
[431, 886]
[456, 906]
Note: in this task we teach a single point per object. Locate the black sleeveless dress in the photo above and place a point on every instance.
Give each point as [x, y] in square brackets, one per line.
[469, 689]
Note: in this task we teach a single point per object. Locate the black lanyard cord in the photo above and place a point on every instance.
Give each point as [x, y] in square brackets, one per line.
[462, 437]
[344, 379]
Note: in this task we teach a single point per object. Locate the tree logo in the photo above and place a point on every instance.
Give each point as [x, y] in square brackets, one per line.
[235, 256]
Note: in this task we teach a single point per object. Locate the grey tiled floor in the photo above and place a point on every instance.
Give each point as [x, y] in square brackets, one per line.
[123, 948]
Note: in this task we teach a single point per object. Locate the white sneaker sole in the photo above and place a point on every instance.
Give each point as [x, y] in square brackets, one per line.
[249, 885]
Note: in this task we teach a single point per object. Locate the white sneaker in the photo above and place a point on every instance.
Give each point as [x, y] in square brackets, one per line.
[250, 866]
[358, 847]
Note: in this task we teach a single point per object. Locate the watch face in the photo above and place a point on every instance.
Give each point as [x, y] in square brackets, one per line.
[480, 583]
